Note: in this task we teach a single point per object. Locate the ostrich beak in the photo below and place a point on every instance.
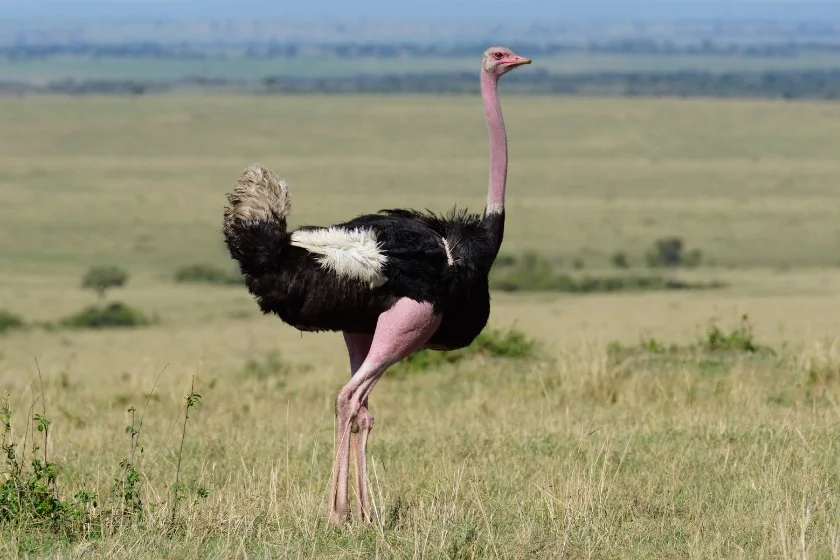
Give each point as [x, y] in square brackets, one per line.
[521, 60]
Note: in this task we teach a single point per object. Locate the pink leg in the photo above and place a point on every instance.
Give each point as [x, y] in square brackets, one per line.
[400, 331]
[358, 446]
[358, 346]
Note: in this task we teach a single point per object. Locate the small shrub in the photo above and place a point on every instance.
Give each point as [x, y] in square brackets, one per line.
[509, 344]
[207, 274]
[102, 278]
[619, 260]
[668, 252]
[29, 498]
[113, 315]
[739, 339]
[39, 512]
[9, 321]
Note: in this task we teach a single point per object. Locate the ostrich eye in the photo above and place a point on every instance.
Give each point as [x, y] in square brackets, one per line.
[498, 56]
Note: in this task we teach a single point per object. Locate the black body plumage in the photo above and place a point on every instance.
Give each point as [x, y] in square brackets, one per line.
[288, 281]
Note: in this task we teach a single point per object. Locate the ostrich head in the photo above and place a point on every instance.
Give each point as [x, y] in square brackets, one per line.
[499, 60]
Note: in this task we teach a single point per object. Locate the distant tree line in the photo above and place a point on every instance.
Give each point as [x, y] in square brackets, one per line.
[384, 50]
[810, 84]
[624, 46]
[121, 50]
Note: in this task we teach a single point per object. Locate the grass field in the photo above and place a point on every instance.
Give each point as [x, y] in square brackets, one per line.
[575, 453]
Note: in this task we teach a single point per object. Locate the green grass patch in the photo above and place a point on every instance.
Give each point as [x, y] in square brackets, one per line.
[508, 343]
[207, 274]
[113, 315]
[713, 351]
[10, 321]
[533, 273]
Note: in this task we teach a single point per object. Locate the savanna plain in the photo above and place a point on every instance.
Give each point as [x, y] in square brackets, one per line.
[629, 424]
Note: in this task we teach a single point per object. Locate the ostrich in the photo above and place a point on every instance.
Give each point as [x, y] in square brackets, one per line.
[393, 282]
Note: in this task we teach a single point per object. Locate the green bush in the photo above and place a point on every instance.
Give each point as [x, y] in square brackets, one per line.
[9, 321]
[739, 339]
[115, 314]
[619, 260]
[207, 274]
[668, 252]
[102, 278]
[510, 344]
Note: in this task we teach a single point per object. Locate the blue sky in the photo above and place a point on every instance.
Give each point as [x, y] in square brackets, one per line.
[422, 10]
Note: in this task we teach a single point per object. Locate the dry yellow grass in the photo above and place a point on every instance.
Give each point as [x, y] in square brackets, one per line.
[572, 455]
[142, 180]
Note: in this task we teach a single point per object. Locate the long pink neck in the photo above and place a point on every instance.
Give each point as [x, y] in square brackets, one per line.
[498, 143]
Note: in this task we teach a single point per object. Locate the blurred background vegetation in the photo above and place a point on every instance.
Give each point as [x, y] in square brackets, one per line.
[771, 59]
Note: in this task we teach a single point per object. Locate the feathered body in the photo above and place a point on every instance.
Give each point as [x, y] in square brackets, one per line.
[342, 277]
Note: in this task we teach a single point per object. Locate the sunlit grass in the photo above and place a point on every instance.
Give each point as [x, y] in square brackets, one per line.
[570, 455]
[603, 442]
